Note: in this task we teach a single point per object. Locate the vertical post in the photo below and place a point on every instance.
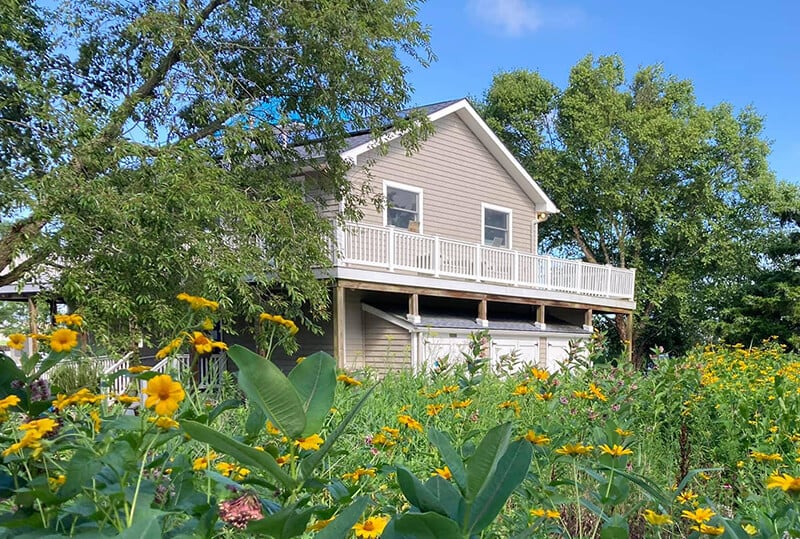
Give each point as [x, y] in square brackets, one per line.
[608, 280]
[413, 315]
[478, 271]
[540, 312]
[437, 248]
[339, 329]
[483, 318]
[515, 271]
[588, 322]
[549, 270]
[391, 248]
[579, 277]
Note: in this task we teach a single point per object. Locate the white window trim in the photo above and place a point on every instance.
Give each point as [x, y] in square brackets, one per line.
[404, 187]
[484, 207]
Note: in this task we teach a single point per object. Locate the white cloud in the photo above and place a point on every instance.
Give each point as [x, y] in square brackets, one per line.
[518, 17]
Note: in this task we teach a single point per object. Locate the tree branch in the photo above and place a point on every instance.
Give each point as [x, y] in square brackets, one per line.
[15, 274]
[576, 232]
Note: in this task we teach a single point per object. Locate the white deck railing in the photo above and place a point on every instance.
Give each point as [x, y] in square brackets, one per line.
[395, 249]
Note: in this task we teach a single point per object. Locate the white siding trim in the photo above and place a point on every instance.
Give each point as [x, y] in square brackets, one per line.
[404, 187]
[484, 207]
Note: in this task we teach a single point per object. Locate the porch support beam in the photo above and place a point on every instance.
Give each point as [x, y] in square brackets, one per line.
[483, 318]
[587, 319]
[413, 309]
[540, 312]
[339, 329]
[629, 335]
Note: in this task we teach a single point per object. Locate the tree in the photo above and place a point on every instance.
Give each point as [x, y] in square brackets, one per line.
[154, 147]
[647, 178]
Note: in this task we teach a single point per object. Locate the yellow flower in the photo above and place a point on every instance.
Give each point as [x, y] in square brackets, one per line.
[380, 440]
[196, 303]
[207, 324]
[164, 422]
[537, 439]
[281, 321]
[319, 525]
[96, 421]
[750, 529]
[540, 374]
[709, 530]
[272, 429]
[16, 341]
[410, 422]
[573, 450]
[545, 513]
[686, 496]
[202, 463]
[461, 404]
[597, 392]
[359, 473]
[348, 381]
[766, 457]
[582, 395]
[521, 389]
[699, 515]
[312, 442]
[138, 369]
[283, 459]
[63, 340]
[126, 399]
[75, 320]
[656, 519]
[164, 394]
[449, 389]
[55, 482]
[172, 346]
[616, 451]
[544, 396]
[434, 409]
[785, 482]
[623, 433]
[204, 345]
[237, 473]
[392, 432]
[82, 396]
[444, 473]
[371, 528]
[8, 402]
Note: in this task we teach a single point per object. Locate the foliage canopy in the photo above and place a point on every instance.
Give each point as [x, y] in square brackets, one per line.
[153, 147]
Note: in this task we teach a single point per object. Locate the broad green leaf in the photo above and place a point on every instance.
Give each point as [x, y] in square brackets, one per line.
[256, 421]
[314, 379]
[267, 387]
[311, 462]
[511, 471]
[48, 363]
[237, 450]
[224, 406]
[417, 494]
[449, 497]
[146, 524]
[482, 464]
[450, 457]
[426, 526]
[344, 521]
[615, 527]
[653, 491]
[289, 522]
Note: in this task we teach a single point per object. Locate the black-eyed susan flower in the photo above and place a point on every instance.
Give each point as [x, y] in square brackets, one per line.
[203, 345]
[163, 422]
[536, 438]
[8, 402]
[358, 473]
[63, 340]
[657, 519]
[766, 457]
[785, 482]
[312, 442]
[444, 473]
[615, 451]
[347, 380]
[197, 303]
[372, 528]
[699, 515]
[164, 395]
[434, 409]
[545, 513]
[709, 530]
[409, 422]
[540, 374]
[574, 450]
[687, 496]
[16, 341]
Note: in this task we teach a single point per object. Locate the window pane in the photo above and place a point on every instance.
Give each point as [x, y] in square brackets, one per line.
[399, 218]
[397, 198]
[495, 237]
[496, 219]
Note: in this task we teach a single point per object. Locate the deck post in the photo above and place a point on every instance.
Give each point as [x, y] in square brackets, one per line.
[413, 309]
[629, 335]
[33, 324]
[391, 249]
[437, 248]
[587, 320]
[339, 329]
[540, 317]
[483, 318]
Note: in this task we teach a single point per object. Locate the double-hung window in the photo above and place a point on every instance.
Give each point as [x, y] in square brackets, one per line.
[403, 206]
[496, 226]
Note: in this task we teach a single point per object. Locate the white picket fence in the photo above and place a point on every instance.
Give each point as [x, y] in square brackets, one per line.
[394, 249]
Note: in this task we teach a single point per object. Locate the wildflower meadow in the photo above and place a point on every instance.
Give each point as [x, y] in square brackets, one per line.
[705, 445]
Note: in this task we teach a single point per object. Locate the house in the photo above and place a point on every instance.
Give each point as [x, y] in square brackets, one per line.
[455, 252]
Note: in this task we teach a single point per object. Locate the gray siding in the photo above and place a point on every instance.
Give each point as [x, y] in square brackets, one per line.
[387, 347]
[456, 173]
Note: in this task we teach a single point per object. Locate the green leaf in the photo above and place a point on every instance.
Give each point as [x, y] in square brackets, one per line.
[79, 472]
[311, 462]
[449, 497]
[344, 521]
[256, 421]
[450, 457]
[417, 494]
[314, 379]
[482, 464]
[511, 471]
[48, 363]
[615, 527]
[267, 387]
[288, 522]
[425, 526]
[146, 524]
[224, 406]
[237, 450]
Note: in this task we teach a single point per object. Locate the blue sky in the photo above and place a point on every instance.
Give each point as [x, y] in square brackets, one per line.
[740, 52]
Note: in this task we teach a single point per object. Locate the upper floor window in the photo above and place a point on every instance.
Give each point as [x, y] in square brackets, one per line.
[496, 226]
[403, 206]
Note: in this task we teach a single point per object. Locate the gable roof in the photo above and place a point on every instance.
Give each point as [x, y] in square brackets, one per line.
[362, 142]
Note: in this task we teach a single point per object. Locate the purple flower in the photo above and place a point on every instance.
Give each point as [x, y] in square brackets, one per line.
[615, 407]
[563, 400]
